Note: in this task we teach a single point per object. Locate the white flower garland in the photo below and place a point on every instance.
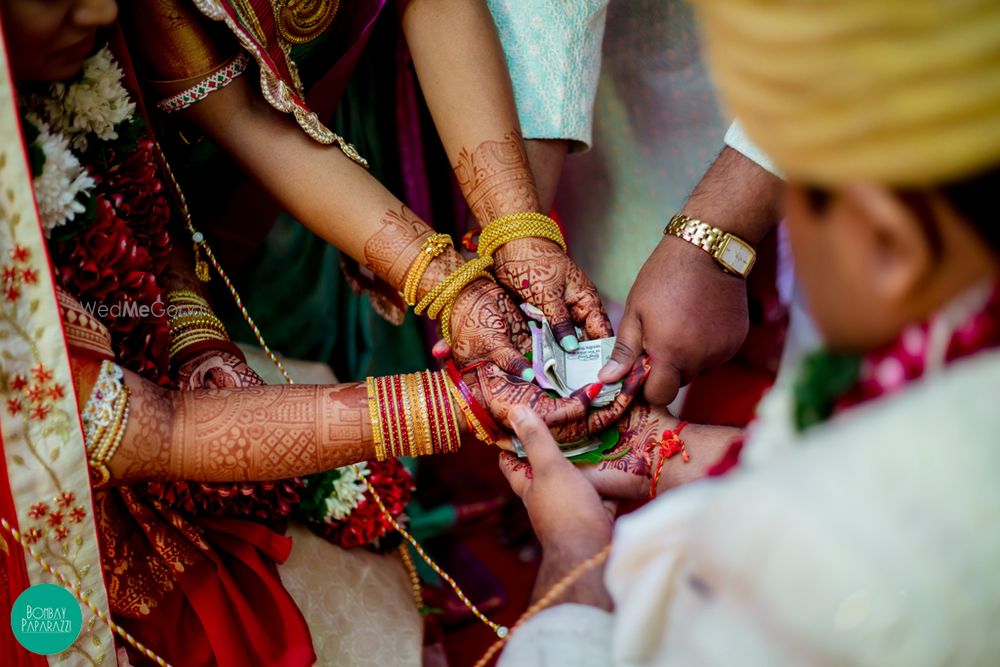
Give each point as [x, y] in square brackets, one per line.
[347, 493]
[95, 104]
[63, 182]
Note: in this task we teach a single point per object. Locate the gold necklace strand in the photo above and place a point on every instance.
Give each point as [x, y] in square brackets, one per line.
[200, 242]
[551, 596]
[81, 596]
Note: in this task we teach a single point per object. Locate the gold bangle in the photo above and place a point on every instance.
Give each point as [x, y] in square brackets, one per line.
[376, 419]
[474, 425]
[422, 443]
[108, 438]
[185, 295]
[446, 312]
[434, 245]
[518, 226]
[192, 337]
[446, 290]
[197, 320]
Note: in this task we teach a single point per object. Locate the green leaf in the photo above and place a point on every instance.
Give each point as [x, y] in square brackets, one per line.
[609, 440]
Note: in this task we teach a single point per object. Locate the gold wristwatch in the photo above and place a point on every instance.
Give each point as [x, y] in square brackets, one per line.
[732, 253]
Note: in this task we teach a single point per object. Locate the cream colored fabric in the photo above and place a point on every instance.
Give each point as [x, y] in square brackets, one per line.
[903, 92]
[738, 140]
[359, 605]
[870, 542]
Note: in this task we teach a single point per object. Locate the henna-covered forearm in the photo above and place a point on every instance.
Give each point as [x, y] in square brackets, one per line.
[242, 434]
[496, 178]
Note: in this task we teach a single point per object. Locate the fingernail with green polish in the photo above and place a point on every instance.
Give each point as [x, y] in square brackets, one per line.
[570, 343]
[528, 375]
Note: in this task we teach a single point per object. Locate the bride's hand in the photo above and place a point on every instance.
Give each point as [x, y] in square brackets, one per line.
[485, 324]
[628, 476]
[538, 271]
[570, 418]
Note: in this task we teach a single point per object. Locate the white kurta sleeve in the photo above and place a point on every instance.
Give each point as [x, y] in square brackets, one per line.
[553, 51]
[738, 141]
[568, 634]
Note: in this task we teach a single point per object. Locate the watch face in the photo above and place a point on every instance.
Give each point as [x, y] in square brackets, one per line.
[736, 256]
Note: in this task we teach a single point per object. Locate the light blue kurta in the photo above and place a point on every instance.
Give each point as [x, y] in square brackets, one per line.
[553, 50]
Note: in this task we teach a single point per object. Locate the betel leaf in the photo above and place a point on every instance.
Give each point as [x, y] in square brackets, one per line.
[609, 440]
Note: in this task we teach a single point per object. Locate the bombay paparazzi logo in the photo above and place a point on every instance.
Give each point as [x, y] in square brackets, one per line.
[46, 621]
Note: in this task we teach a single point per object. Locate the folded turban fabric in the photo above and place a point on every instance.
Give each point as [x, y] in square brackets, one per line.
[902, 92]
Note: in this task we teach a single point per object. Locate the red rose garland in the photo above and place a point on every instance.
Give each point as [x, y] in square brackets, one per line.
[117, 261]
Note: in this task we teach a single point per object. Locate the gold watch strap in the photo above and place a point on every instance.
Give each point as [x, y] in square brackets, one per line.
[710, 239]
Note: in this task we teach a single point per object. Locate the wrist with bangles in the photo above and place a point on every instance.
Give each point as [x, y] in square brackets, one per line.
[418, 414]
[105, 419]
[194, 327]
[441, 298]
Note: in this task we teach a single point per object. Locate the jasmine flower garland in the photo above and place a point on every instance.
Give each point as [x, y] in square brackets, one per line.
[62, 185]
[95, 104]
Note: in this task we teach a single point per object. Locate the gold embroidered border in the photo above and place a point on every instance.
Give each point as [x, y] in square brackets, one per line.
[42, 437]
[275, 90]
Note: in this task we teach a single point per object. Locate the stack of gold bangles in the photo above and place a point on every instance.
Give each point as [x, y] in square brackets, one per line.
[439, 301]
[417, 414]
[412, 415]
[192, 321]
[105, 418]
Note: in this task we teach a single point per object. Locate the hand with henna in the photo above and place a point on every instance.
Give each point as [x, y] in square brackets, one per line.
[485, 324]
[569, 419]
[221, 368]
[538, 271]
[629, 472]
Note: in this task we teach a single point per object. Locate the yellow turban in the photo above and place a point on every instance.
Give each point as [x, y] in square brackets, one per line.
[902, 92]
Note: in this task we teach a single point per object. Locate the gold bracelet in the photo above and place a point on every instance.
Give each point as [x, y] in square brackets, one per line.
[434, 245]
[105, 419]
[518, 226]
[446, 312]
[446, 290]
[474, 425]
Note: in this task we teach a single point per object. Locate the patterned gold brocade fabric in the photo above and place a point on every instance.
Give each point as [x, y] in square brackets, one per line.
[358, 605]
[129, 527]
[84, 332]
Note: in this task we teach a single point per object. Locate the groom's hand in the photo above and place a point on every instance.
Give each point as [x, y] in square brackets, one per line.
[567, 514]
[685, 313]
[683, 309]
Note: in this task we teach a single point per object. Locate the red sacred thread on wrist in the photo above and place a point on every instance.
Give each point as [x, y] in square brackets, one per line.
[670, 443]
[477, 410]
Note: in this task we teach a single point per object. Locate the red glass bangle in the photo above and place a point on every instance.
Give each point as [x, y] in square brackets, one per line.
[477, 410]
[450, 421]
